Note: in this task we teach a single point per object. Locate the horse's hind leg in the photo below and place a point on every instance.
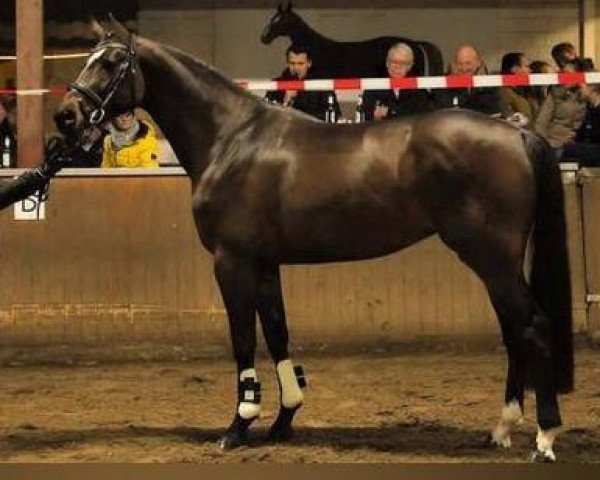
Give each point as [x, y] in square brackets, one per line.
[507, 298]
[272, 317]
[237, 281]
[525, 330]
[526, 335]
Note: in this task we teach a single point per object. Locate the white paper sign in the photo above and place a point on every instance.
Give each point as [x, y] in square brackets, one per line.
[31, 208]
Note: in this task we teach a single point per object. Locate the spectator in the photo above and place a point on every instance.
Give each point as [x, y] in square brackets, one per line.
[565, 52]
[586, 146]
[538, 93]
[7, 74]
[131, 143]
[394, 103]
[7, 117]
[467, 61]
[299, 67]
[562, 53]
[516, 98]
[563, 112]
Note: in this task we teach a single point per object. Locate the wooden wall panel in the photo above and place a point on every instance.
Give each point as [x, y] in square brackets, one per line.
[117, 261]
[591, 226]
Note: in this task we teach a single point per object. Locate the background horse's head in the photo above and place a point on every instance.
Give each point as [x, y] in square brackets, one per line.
[109, 83]
[280, 24]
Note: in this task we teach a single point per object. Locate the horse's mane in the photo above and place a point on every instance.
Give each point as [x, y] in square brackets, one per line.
[202, 71]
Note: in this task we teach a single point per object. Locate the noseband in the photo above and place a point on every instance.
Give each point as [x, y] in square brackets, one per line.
[127, 65]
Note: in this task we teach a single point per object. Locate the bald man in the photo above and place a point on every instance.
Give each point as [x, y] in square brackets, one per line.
[467, 61]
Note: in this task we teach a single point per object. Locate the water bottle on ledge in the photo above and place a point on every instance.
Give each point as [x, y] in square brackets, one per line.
[7, 151]
[330, 113]
[359, 114]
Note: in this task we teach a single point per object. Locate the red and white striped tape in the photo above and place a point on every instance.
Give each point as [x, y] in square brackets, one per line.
[408, 83]
[426, 83]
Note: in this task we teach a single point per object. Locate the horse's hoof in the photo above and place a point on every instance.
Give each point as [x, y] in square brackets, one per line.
[232, 440]
[497, 443]
[540, 456]
[278, 435]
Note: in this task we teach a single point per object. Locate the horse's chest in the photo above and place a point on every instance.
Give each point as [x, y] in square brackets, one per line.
[223, 209]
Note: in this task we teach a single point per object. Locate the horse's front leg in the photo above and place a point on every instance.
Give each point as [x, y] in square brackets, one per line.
[237, 281]
[272, 317]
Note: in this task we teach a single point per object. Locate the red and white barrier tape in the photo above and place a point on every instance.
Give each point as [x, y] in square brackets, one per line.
[426, 83]
[408, 83]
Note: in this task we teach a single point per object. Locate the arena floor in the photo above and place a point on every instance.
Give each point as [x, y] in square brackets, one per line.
[417, 408]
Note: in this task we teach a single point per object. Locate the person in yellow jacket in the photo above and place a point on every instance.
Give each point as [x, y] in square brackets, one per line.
[131, 143]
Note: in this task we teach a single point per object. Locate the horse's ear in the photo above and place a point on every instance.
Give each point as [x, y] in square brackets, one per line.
[288, 6]
[96, 28]
[279, 7]
[117, 27]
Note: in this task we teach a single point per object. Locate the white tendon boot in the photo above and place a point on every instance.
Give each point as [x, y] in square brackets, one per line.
[544, 441]
[249, 401]
[291, 395]
[511, 415]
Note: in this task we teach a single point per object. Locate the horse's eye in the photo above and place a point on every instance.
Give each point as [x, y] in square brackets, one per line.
[107, 64]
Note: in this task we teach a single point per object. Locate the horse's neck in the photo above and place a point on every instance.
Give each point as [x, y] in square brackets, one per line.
[191, 108]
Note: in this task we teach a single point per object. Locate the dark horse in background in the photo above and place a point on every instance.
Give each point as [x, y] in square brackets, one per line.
[365, 59]
[273, 186]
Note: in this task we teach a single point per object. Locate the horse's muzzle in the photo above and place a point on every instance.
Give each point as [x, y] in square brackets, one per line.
[69, 117]
[66, 120]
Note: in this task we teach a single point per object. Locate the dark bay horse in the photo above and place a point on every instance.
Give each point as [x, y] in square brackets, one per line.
[273, 186]
[363, 59]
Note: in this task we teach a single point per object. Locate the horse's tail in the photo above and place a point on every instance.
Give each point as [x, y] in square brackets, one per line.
[550, 275]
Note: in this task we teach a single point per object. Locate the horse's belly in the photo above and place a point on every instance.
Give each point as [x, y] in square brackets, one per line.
[353, 234]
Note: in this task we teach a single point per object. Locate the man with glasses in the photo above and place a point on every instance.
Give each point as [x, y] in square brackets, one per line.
[395, 102]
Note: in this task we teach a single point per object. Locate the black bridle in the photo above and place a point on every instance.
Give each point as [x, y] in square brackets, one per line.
[127, 65]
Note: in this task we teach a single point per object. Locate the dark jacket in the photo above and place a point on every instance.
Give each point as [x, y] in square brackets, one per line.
[406, 103]
[311, 102]
[589, 131]
[483, 99]
[91, 158]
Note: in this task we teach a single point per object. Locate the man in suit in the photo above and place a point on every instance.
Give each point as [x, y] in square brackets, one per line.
[467, 62]
[299, 67]
[395, 103]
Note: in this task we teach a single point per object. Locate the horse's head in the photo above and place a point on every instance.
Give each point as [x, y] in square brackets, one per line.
[110, 82]
[280, 23]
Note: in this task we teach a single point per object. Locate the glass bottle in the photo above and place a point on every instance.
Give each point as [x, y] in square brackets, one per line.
[330, 113]
[359, 114]
[7, 151]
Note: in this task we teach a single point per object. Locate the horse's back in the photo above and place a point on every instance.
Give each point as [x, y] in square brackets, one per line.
[311, 192]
